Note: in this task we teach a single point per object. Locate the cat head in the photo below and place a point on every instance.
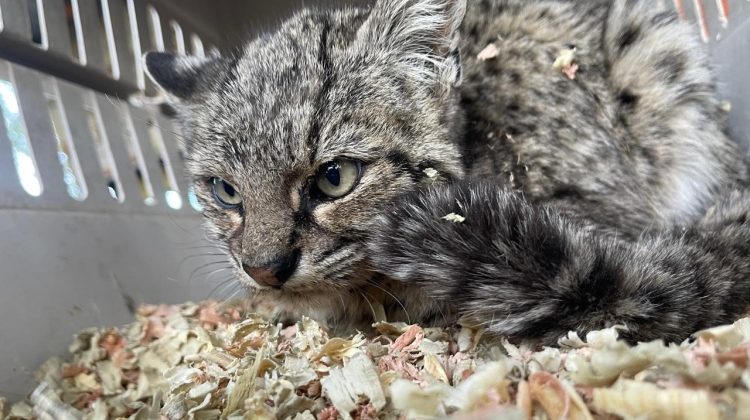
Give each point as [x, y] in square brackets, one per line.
[299, 140]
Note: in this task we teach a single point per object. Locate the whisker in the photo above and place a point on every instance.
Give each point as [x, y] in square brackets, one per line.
[173, 219]
[374, 316]
[236, 289]
[192, 256]
[218, 270]
[373, 282]
[194, 241]
[203, 247]
[222, 284]
[442, 314]
[204, 266]
[237, 292]
[343, 309]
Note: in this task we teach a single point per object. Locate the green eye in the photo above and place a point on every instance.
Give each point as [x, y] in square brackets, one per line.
[338, 178]
[225, 193]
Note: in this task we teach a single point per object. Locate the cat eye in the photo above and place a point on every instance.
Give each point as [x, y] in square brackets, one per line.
[225, 193]
[338, 178]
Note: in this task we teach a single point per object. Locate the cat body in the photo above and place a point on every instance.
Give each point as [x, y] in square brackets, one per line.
[327, 156]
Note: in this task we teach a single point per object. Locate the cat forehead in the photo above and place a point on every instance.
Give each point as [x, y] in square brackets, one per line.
[283, 88]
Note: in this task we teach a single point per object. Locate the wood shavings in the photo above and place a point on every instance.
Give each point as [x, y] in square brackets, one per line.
[570, 71]
[632, 399]
[410, 338]
[212, 361]
[565, 62]
[46, 402]
[490, 51]
[339, 349]
[430, 172]
[454, 218]
[21, 410]
[328, 413]
[357, 383]
[564, 58]
[434, 367]
[557, 399]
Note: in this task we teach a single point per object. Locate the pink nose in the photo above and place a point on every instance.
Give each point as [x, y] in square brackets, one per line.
[275, 273]
[262, 275]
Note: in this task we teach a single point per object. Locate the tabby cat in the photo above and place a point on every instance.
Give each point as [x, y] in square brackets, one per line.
[425, 160]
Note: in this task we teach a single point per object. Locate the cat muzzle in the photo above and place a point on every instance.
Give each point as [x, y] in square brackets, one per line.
[275, 273]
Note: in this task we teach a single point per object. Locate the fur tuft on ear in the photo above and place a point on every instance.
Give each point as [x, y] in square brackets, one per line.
[178, 75]
[423, 35]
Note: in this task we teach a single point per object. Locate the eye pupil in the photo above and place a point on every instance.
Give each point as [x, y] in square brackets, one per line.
[337, 178]
[333, 175]
[229, 189]
[225, 193]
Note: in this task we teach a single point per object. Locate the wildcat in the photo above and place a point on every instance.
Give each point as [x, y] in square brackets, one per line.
[328, 154]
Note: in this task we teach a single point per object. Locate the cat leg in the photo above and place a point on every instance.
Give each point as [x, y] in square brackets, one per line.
[525, 271]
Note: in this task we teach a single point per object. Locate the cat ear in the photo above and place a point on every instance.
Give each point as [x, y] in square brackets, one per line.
[178, 75]
[424, 34]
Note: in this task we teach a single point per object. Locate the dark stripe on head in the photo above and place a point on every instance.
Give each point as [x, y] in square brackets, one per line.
[303, 219]
[399, 159]
[321, 99]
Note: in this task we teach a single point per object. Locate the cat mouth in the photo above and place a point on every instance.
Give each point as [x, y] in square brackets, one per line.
[297, 283]
[303, 298]
[333, 270]
[305, 284]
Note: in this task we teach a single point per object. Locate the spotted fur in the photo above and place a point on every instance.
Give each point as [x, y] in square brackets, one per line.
[592, 204]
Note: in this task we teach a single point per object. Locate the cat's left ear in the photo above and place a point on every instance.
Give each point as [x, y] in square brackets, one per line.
[180, 76]
[422, 34]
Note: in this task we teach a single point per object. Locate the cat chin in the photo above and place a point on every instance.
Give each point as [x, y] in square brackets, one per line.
[305, 295]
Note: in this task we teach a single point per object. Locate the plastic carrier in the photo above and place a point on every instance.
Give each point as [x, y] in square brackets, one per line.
[96, 215]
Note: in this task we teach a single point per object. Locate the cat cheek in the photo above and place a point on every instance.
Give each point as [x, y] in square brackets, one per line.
[325, 214]
[235, 219]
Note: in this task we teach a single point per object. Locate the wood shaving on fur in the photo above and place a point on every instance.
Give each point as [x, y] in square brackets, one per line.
[241, 366]
[565, 62]
[455, 218]
[430, 172]
[490, 51]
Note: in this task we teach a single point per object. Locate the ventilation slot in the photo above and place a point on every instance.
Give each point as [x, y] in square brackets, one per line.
[75, 31]
[136, 157]
[66, 152]
[23, 156]
[103, 150]
[36, 19]
[109, 54]
[172, 194]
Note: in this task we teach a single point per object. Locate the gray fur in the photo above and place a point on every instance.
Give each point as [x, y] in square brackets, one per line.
[602, 181]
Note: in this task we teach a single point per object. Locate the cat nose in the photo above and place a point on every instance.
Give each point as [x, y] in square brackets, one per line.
[275, 273]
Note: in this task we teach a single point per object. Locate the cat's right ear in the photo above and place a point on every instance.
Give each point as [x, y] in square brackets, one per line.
[178, 75]
[421, 35]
